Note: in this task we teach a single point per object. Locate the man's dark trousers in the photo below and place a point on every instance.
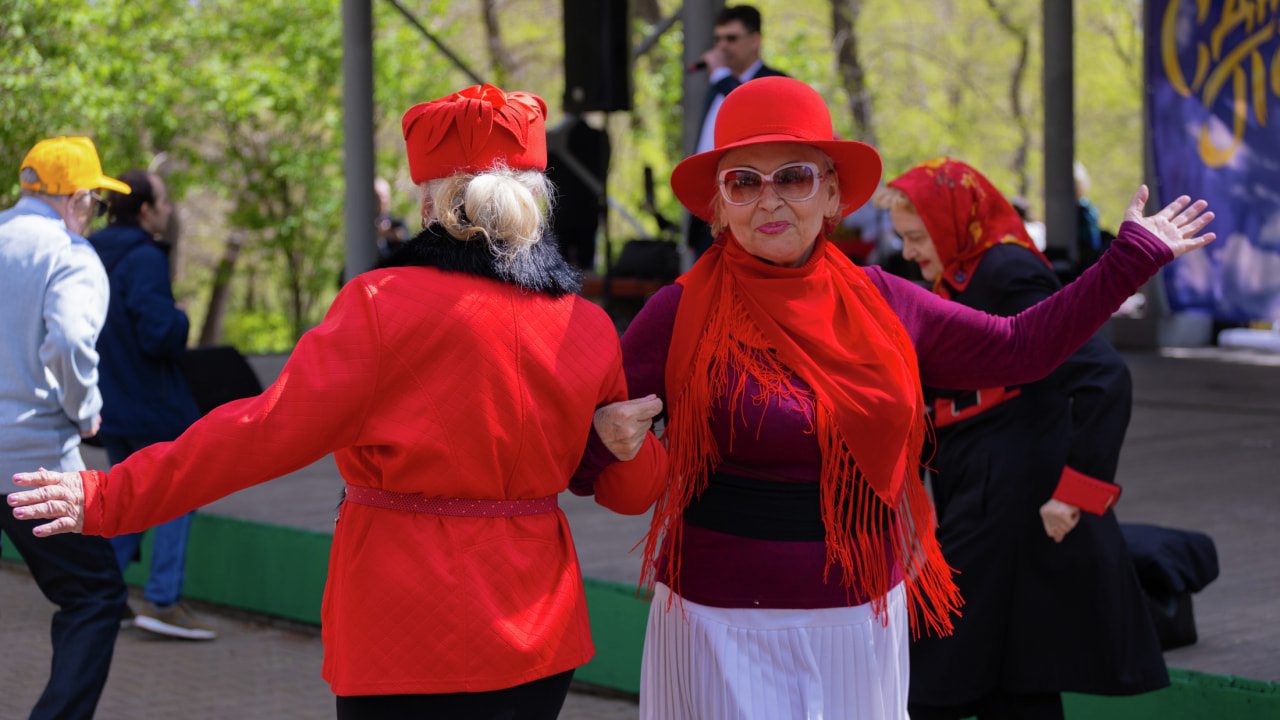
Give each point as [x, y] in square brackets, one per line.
[78, 573]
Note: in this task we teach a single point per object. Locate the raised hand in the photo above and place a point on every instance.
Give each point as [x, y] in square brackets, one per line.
[1176, 225]
[623, 425]
[57, 495]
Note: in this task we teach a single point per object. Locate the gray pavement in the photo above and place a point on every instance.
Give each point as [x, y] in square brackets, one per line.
[1202, 453]
[256, 669]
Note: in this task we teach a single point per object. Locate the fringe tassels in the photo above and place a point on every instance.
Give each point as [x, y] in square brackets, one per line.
[861, 527]
[867, 537]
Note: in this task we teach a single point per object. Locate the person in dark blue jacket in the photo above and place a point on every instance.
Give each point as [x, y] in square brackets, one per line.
[145, 398]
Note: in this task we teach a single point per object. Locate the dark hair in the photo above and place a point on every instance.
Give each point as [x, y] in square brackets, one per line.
[124, 209]
[1022, 206]
[745, 14]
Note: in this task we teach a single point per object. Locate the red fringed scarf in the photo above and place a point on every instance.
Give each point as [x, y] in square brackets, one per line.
[830, 326]
[965, 216]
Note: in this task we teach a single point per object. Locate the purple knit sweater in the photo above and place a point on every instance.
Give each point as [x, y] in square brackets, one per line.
[957, 347]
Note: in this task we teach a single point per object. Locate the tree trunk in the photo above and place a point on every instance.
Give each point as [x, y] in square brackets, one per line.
[1023, 36]
[844, 37]
[499, 60]
[211, 333]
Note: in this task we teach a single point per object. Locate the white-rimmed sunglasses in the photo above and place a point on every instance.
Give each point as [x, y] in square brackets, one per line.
[794, 181]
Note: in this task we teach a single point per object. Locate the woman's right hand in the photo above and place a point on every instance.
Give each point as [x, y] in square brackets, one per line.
[1176, 225]
[623, 425]
[1059, 518]
[58, 496]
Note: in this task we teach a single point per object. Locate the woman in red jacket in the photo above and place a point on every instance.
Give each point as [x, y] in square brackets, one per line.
[456, 391]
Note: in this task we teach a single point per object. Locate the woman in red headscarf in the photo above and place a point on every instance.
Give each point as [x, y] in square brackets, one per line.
[456, 391]
[1023, 485]
[795, 538]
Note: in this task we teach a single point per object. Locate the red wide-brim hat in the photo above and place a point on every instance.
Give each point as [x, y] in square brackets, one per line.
[769, 110]
[474, 130]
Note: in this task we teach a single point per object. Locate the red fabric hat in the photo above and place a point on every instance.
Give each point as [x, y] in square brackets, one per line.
[473, 130]
[776, 109]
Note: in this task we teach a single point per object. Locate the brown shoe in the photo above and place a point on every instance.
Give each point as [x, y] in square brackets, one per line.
[174, 621]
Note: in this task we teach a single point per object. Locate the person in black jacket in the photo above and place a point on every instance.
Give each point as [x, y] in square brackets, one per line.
[1023, 482]
[145, 398]
[732, 60]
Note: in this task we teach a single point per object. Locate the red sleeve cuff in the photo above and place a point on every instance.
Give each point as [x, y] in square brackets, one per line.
[92, 482]
[1089, 494]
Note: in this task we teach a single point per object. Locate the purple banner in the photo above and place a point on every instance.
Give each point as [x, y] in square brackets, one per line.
[1213, 83]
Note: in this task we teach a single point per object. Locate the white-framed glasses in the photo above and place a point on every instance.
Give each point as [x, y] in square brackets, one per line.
[794, 181]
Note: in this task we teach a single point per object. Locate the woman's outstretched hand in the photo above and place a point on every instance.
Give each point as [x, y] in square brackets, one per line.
[58, 496]
[1176, 225]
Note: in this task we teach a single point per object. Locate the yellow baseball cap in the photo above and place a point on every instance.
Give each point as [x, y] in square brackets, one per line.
[66, 165]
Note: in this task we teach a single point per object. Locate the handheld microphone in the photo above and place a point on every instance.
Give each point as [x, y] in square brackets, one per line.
[695, 67]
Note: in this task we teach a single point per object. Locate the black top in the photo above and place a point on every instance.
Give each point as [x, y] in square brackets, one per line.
[1038, 616]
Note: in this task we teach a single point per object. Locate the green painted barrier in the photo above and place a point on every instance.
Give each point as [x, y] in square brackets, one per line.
[269, 569]
[618, 619]
[1190, 696]
[264, 568]
[281, 571]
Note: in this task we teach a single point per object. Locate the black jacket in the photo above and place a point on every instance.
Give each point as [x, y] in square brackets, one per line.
[731, 83]
[1038, 616]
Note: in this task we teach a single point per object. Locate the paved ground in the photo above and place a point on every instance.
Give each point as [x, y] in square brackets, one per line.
[255, 670]
[1202, 453]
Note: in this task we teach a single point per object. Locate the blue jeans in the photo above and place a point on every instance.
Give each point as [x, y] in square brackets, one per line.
[78, 573]
[169, 540]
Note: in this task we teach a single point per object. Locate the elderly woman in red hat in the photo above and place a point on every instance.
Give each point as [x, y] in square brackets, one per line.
[457, 392]
[794, 540]
[1052, 602]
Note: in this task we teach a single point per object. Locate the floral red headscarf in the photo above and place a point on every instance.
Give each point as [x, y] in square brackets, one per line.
[965, 216]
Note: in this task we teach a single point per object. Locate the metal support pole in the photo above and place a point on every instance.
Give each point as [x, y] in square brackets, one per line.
[357, 128]
[699, 24]
[1059, 129]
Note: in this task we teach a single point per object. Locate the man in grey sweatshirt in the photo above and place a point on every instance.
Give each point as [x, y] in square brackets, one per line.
[54, 305]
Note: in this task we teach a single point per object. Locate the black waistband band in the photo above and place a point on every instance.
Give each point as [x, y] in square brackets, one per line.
[759, 509]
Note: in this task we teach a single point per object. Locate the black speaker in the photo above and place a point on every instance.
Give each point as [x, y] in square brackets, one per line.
[597, 55]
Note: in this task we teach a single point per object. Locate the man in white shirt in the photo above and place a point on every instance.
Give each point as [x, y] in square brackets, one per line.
[733, 60]
[55, 304]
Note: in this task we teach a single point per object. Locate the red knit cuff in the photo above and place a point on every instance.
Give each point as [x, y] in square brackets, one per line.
[1089, 494]
[93, 482]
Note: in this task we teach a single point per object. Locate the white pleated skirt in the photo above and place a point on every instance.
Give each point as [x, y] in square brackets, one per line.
[768, 664]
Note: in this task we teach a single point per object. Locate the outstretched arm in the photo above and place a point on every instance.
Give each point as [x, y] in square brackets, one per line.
[317, 406]
[965, 349]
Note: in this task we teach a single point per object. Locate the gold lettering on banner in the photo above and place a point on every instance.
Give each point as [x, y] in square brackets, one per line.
[1249, 73]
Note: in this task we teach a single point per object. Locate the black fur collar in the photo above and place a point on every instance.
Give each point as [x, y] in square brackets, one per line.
[543, 269]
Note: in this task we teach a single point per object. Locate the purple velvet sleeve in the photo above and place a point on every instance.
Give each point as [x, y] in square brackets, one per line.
[644, 358]
[646, 342]
[595, 459]
[966, 349]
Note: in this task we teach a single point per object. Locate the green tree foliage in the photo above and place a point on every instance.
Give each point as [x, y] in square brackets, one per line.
[244, 100]
[243, 103]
